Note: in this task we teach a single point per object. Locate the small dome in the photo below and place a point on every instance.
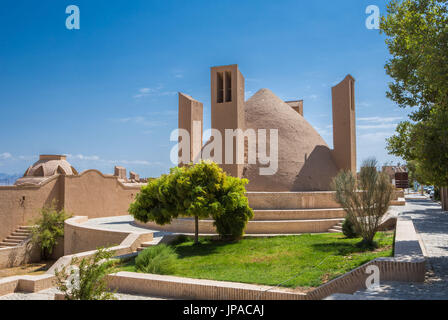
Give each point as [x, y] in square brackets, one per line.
[305, 162]
[50, 165]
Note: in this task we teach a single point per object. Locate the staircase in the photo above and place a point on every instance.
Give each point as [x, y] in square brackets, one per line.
[145, 245]
[337, 228]
[294, 213]
[16, 238]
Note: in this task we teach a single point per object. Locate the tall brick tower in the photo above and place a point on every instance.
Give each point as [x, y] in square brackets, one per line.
[344, 124]
[227, 85]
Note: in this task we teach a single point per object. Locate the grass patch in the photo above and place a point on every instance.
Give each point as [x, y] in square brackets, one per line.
[307, 260]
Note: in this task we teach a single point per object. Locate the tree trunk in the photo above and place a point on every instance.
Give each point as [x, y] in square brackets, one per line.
[444, 198]
[196, 229]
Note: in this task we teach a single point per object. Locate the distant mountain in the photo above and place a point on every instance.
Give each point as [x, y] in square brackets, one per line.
[8, 179]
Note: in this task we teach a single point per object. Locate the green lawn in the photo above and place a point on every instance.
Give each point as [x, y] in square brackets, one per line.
[307, 260]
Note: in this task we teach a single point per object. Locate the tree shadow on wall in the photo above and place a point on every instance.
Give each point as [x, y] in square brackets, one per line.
[317, 171]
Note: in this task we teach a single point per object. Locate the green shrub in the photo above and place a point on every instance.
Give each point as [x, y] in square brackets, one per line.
[365, 198]
[201, 190]
[348, 229]
[160, 259]
[233, 220]
[48, 229]
[90, 284]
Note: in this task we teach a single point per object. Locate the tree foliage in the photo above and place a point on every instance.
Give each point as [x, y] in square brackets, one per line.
[417, 38]
[366, 200]
[199, 190]
[48, 229]
[85, 279]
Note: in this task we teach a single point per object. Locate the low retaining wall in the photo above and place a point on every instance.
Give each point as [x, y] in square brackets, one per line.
[30, 283]
[185, 288]
[81, 238]
[15, 256]
[263, 227]
[292, 200]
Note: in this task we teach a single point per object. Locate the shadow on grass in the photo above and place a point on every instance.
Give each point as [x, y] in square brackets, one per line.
[204, 248]
[343, 249]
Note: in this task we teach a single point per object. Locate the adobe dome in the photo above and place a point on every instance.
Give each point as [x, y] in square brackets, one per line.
[305, 162]
[46, 167]
[49, 165]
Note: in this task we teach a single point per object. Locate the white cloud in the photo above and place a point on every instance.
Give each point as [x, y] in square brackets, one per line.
[378, 126]
[363, 104]
[142, 121]
[157, 91]
[378, 122]
[380, 119]
[83, 157]
[379, 136]
[95, 158]
[5, 156]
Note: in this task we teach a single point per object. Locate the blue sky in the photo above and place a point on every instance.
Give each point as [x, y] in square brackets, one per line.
[107, 94]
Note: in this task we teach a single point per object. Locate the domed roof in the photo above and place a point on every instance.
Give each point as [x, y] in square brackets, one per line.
[50, 165]
[305, 162]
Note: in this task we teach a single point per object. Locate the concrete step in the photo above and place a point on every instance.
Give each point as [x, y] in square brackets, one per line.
[8, 239]
[7, 244]
[26, 228]
[291, 200]
[298, 214]
[254, 227]
[12, 241]
[20, 233]
[334, 231]
[17, 237]
[146, 244]
[337, 227]
[399, 202]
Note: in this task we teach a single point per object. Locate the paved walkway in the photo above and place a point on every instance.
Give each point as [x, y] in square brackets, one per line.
[48, 294]
[121, 223]
[431, 224]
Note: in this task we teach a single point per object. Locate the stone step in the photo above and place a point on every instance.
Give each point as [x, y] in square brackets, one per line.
[7, 244]
[292, 200]
[17, 237]
[9, 239]
[399, 202]
[298, 214]
[12, 241]
[146, 244]
[20, 233]
[337, 227]
[254, 227]
[26, 228]
[334, 231]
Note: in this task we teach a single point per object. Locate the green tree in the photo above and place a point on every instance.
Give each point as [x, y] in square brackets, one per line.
[417, 37]
[201, 190]
[48, 229]
[365, 199]
[86, 279]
